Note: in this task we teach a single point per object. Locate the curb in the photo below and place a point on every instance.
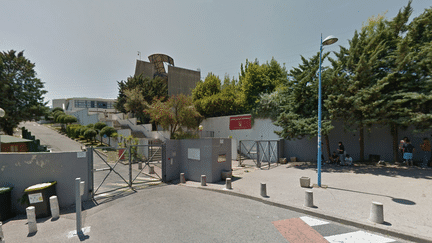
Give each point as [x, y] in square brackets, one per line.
[376, 228]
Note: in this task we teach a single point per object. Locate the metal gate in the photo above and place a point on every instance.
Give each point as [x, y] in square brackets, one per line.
[122, 168]
[260, 151]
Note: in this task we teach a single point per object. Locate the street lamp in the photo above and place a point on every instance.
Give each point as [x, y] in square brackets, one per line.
[2, 114]
[327, 41]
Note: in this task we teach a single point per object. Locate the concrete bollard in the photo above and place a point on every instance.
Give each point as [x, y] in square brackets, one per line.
[31, 219]
[263, 190]
[309, 199]
[55, 211]
[182, 178]
[151, 170]
[2, 240]
[228, 183]
[377, 213]
[203, 180]
[139, 165]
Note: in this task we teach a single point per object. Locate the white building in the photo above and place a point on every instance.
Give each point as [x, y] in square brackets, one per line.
[87, 110]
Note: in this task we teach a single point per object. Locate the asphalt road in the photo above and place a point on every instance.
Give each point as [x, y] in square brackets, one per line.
[168, 213]
[51, 138]
[172, 213]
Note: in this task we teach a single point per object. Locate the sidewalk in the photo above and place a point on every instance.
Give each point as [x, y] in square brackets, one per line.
[346, 194]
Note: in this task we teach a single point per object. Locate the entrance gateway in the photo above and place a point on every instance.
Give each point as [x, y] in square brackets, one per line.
[114, 169]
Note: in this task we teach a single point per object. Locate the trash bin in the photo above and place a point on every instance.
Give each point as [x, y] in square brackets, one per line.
[38, 196]
[5, 203]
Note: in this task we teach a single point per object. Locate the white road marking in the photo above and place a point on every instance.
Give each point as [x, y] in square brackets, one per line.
[313, 221]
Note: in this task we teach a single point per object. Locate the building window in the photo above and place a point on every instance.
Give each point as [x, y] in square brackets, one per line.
[80, 104]
[102, 105]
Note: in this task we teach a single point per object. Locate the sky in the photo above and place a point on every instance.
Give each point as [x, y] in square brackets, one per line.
[82, 48]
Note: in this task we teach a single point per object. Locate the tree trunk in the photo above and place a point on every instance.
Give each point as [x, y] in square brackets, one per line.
[326, 138]
[361, 141]
[394, 133]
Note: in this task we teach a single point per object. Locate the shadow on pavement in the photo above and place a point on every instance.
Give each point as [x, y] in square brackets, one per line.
[397, 200]
[392, 171]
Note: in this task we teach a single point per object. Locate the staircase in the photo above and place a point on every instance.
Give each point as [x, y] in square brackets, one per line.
[156, 150]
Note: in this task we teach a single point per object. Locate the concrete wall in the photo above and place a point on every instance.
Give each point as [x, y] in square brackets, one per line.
[144, 68]
[84, 118]
[22, 170]
[177, 160]
[378, 139]
[181, 80]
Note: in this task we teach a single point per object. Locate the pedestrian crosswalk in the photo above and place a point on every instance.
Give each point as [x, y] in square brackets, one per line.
[309, 229]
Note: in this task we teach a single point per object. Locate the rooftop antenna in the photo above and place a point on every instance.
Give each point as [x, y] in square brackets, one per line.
[139, 54]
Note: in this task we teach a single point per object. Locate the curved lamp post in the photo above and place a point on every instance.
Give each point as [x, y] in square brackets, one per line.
[327, 41]
[2, 114]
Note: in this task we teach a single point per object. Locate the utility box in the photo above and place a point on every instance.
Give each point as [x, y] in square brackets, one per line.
[305, 182]
[5, 203]
[38, 196]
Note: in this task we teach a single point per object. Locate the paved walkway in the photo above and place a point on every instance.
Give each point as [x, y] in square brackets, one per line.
[346, 194]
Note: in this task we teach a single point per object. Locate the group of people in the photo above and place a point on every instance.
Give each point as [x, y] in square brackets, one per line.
[341, 158]
[405, 147]
[407, 150]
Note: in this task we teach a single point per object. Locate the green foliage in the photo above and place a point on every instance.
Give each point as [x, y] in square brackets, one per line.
[21, 93]
[176, 112]
[138, 89]
[57, 109]
[98, 126]
[210, 99]
[298, 102]
[73, 130]
[90, 134]
[258, 79]
[109, 131]
[68, 119]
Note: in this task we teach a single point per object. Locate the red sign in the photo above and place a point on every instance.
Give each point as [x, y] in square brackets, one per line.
[240, 122]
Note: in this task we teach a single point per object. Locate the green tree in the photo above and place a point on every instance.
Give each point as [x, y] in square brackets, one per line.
[57, 109]
[258, 79]
[149, 89]
[109, 132]
[135, 103]
[211, 99]
[298, 103]
[176, 112]
[90, 134]
[21, 92]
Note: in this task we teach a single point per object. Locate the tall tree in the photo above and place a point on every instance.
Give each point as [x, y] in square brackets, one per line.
[139, 87]
[175, 113]
[21, 92]
[299, 115]
[211, 99]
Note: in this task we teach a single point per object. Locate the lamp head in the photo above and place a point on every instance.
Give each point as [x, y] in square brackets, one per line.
[2, 112]
[329, 40]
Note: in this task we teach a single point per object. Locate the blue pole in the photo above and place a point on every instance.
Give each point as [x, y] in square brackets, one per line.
[319, 119]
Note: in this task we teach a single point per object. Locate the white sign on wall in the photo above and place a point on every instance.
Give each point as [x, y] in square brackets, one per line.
[35, 197]
[81, 154]
[194, 153]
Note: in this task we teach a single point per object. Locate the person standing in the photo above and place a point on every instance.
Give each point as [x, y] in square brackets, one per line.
[426, 151]
[409, 149]
[341, 151]
[401, 146]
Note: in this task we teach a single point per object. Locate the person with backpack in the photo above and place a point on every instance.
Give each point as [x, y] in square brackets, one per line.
[409, 149]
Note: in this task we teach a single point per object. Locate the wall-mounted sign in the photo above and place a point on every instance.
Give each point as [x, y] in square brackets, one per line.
[81, 154]
[240, 122]
[35, 197]
[194, 153]
[221, 158]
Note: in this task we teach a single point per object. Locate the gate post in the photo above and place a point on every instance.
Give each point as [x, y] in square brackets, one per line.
[240, 157]
[258, 154]
[130, 165]
[163, 162]
[90, 169]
